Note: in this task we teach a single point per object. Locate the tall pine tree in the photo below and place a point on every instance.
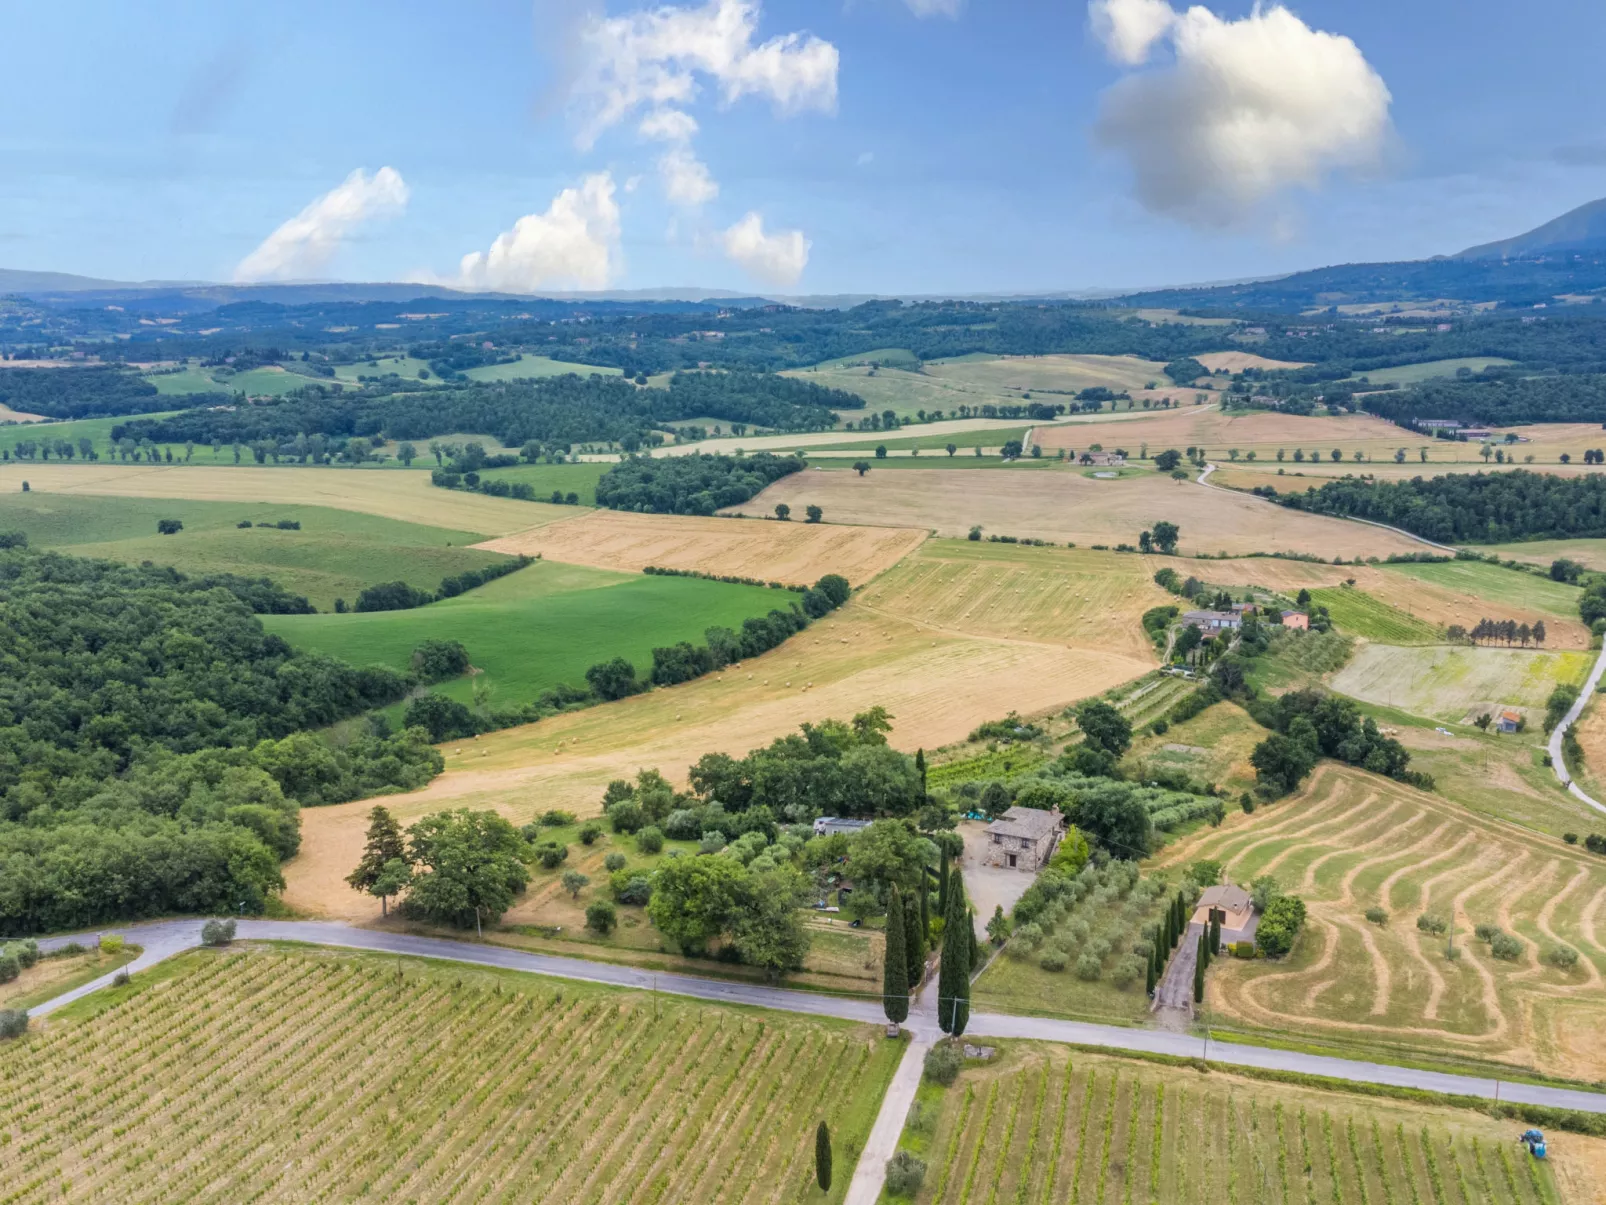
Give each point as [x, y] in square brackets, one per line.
[895, 964]
[384, 844]
[914, 939]
[953, 980]
[822, 1157]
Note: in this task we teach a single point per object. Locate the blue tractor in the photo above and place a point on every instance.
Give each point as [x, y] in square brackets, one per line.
[1535, 1142]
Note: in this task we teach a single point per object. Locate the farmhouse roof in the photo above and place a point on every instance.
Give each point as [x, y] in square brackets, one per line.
[1286, 614]
[1509, 714]
[1031, 823]
[1224, 896]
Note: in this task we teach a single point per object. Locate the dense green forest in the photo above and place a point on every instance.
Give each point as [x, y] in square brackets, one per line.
[83, 392]
[1468, 508]
[555, 413]
[153, 743]
[1498, 398]
[690, 485]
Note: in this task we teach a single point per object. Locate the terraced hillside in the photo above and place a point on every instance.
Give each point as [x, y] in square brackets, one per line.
[1350, 842]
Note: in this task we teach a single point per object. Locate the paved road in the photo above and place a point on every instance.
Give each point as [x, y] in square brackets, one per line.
[1175, 989]
[871, 1174]
[166, 938]
[1557, 761]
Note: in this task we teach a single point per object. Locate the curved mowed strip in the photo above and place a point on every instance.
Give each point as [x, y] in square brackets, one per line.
[1350, 841]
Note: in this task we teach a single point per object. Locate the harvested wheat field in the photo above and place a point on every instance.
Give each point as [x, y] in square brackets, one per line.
[1063, 504]
[795, 553]
[280, 1074]
[1591, 733]
[1590, 553]
[1051, 1125]
[1216, 432]
[1350, 841]
[1075, 597]
[937, 685]
[392, 493]
[1237, 361]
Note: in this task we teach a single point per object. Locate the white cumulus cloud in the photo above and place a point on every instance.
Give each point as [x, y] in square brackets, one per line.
[654, 58]
[1129, 28]
[775, 259]
[1246, 109]
[935, 8]
[302, 246]
[574, 244]
[686, 178]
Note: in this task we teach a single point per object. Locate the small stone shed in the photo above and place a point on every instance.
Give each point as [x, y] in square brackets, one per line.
[1238, 919]
[1022, 839]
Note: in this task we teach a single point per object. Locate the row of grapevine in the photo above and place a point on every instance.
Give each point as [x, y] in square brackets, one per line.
[267, 1075]
[1088, 1130]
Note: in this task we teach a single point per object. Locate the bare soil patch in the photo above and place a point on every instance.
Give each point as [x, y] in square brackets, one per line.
[393, 493]
[1065, 505]
[792, 552]
[1237, 361]
[8, 415]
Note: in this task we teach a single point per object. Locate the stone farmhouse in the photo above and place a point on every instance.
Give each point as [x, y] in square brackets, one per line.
[1022, 839]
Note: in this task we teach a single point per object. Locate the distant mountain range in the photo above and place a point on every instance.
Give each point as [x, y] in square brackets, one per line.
[1565, 257]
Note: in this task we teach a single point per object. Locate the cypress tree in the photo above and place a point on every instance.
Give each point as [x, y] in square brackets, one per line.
[1149, 988]
[1215, 937]
[895, 965]
[1168, 926]
[1204, 936]
[953, 980]
[914, 940]
[942, 886]
[925, 909]
[920, 768]
[1198, 973]
[822, 1157]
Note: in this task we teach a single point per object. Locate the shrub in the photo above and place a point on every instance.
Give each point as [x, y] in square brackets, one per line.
[26, 952]
[1564, 957]
[614, 862]
[1088, 967]
[589, 833]
[601, 917]
[551, 855]
[13, 1022]
[1486, 931]
[626, 816]
[906, 1172]
[437, 660]
[712, 843]
[217, 932]
[1429, 922]
[1128, 970]
[1243, 949]
[168, 527]
[944, 1061]
[10, 968]
[121, 979]
[1570, 838]
[636, 891]
[1053, 961]
[574, 882]
[111, 943]
[556, 818]
[684, 824]
[650, 840]
[1379, 917]
[1030, 936]
[1279, 925]
[1506, 947]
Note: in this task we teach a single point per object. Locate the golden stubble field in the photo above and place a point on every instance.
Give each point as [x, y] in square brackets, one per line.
[794, 552]
[393, 493]
[938, 685]
[1064, 504]
[1216, 432]
[1349, 841]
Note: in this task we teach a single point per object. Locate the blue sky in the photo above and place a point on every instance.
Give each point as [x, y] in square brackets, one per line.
[881, 150]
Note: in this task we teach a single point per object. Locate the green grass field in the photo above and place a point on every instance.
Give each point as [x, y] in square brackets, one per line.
[568, 478]
[403, 366]
[1043, 1124]
[259, 382]
[900, 357]
[311, 1075]
[1357, 613]
[1507, 586]
[97, 430]
[535, 367]
[190, 380]
[334, 555]
[1411, 374]
[541, 626]
[1451, 682]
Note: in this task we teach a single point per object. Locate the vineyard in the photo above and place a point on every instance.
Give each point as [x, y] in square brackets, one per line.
[278, 1075]
[1046, 1130]
[1428, 924]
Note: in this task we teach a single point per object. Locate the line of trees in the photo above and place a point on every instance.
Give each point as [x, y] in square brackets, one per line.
[699, 484]
[1508, 630]
[399, 596]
